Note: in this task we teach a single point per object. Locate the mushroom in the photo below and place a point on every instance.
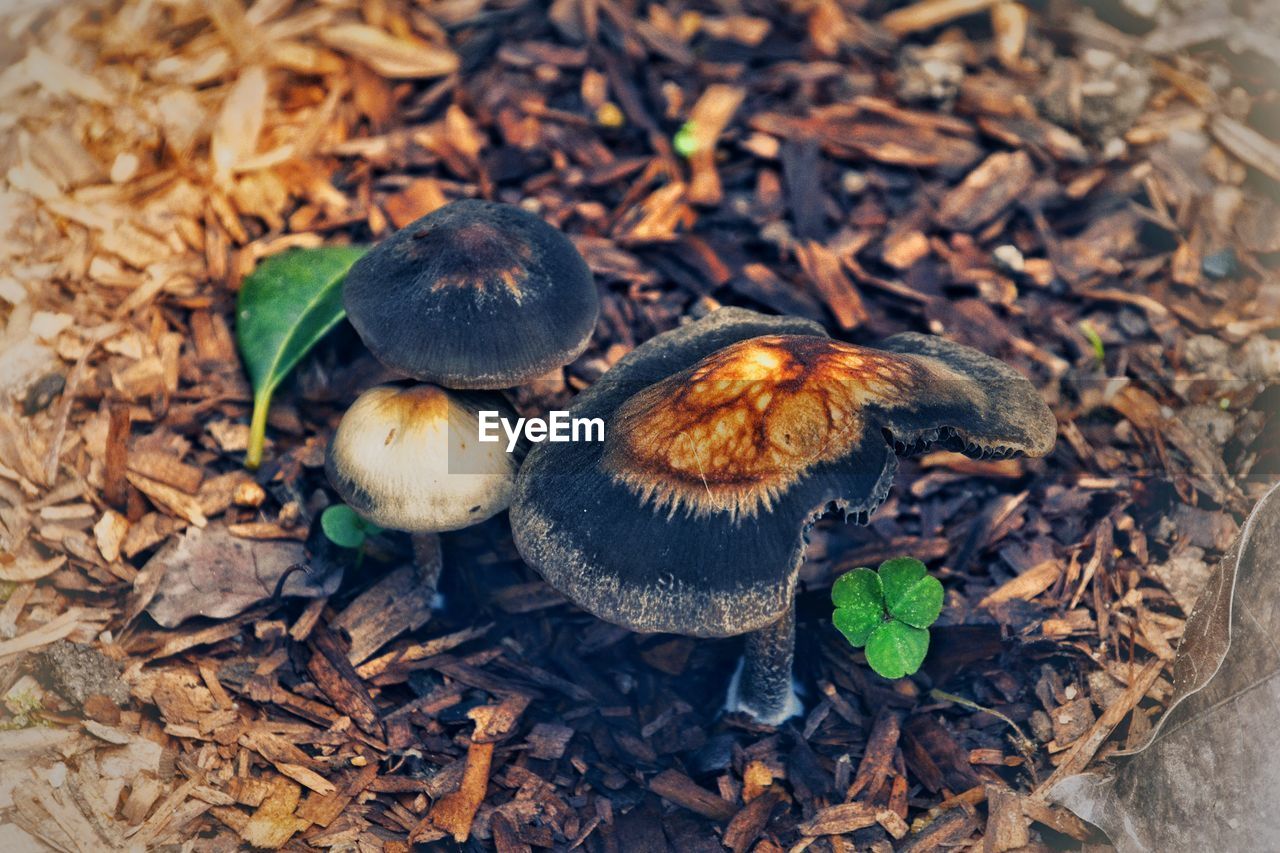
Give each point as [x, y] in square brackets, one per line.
[473, 295]
[409, 458]
[725, 441]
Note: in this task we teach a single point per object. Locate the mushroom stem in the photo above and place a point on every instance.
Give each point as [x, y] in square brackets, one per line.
[427, 560]
[762, 685]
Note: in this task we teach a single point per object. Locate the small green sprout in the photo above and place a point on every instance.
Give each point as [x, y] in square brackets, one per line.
[1095, 340]
[888, 611]
[685, 142]
[345, 529]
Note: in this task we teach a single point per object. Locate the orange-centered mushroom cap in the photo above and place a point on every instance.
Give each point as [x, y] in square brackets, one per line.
[739, 428]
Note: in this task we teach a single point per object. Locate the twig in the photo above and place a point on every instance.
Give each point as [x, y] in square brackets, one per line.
[1024, 744]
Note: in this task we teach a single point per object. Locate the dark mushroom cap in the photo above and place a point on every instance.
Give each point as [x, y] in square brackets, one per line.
[409, 458]
[725, 440]
[474, 295]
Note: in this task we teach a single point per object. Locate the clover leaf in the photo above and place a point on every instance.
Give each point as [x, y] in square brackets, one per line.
[889, 612]
[897, 649]
[910, 593]
[859, 601]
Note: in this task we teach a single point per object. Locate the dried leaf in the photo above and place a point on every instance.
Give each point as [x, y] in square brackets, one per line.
[210, 572]
[841, 295]
[454, 813]
[274, 823]
[839, 819]
[109, 533]
[1246, 143]
[678, 788]
[170, 499]
[987, 191]
[1207, 779]
[930, 13]
[56, 76]
[707, 120]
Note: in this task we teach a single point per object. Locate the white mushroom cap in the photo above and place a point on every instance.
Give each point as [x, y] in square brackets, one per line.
[409, 458]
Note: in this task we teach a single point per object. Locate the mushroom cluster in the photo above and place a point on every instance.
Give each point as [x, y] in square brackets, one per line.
[728, 438]
[475, 297]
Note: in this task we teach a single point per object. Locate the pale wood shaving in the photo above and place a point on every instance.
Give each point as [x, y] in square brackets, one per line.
[62, 625]
[388, 55]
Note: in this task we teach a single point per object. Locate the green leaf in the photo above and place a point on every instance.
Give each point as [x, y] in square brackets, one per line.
[853, 589]
[343, 527]
[920, 604]
[857, 623]
[910, 593]
[898, 574]
[896, 649]
[285, 306]
[859, 605]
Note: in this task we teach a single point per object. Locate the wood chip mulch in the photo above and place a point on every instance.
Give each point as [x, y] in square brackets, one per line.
[1092, 200]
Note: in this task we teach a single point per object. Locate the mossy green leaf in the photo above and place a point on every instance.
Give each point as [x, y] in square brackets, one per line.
[896, 649]
[685, 142]
[285, 307]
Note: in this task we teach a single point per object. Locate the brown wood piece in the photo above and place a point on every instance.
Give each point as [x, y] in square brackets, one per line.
[115, 485]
